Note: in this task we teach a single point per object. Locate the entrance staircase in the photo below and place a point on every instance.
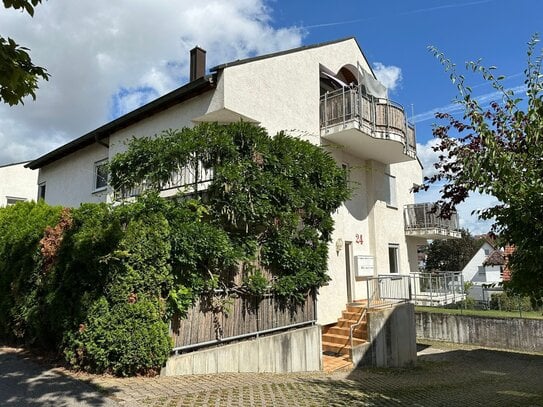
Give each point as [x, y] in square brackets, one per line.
[336, 342]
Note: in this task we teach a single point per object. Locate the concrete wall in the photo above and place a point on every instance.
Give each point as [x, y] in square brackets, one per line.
[392, 338]
[502, 333]
[293, 351]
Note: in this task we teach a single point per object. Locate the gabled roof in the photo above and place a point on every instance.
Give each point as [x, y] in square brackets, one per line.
[179, 95]
[290, 51]
[494, 259]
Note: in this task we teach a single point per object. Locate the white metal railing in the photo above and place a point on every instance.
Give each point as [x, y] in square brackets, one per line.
[188, 179]
[383, 291]
[382, 117]
[426, 216]
[434, 289]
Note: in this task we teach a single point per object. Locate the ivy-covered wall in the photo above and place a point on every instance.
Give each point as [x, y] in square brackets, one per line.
[100, 283]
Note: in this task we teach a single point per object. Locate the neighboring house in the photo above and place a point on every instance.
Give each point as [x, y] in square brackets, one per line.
[17, 183]
[485, 271]
[326, 94]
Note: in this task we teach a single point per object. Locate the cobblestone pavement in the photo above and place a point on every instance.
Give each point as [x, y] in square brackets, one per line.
[444, 376]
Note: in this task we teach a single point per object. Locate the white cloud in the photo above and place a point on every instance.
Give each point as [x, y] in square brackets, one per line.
[468, 219]
[107, 58]
[388, 75]
[428, 157]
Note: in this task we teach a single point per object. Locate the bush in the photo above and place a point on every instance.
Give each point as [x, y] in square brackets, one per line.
[124, 339]
[21, 228]
[506, 302]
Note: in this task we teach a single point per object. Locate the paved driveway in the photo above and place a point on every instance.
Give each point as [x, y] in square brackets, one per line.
[25, 383]
[445, 376]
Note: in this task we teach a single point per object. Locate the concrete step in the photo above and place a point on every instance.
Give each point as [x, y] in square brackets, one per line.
[353, 307]
[342, 322]
[358, 332]
[340, 339]
[336, 348]
[353, 316]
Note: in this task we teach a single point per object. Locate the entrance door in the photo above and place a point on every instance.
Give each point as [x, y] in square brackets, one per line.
[349, 271]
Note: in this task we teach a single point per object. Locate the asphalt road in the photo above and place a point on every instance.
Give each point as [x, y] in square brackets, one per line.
[25, 383]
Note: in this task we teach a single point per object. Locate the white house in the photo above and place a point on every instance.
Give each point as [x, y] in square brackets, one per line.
[485, 271]
[17, 183]
[326, 94]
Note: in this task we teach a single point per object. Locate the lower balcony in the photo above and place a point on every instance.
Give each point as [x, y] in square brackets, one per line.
[422, 220]
[370, 127]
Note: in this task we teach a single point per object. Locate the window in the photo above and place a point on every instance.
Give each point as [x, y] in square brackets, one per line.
[393, 258]
[41, 191]
[390, 190]
[10, 200]
[100, 175]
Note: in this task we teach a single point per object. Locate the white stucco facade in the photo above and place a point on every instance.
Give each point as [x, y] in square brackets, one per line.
[17, 183]
[282, 93]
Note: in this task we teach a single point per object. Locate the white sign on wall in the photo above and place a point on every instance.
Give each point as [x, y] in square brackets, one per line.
[364, 265]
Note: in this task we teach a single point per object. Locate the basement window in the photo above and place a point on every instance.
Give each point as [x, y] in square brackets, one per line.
[11, 200]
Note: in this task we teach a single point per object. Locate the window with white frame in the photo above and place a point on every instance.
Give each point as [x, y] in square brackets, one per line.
[393, 258]
[390, 191]
[100, 175]
[12, 200]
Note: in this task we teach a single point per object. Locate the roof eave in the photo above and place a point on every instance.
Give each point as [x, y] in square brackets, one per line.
[177, 96]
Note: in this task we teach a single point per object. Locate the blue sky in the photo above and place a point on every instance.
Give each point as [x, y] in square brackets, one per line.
[399, 32]
[107, 58]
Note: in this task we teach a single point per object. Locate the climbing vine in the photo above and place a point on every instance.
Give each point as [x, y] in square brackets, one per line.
[269, 203]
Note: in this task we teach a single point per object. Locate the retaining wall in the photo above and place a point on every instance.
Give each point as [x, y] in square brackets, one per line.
[298, 350]
[501, 333]
[391, 338]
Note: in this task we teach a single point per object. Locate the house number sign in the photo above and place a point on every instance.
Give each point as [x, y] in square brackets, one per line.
[359, 238]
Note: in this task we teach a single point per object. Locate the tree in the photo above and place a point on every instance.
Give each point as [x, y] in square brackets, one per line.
[452, 254]
[498, 150]
[18, 75]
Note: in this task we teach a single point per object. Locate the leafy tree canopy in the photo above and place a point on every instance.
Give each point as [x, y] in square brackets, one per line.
[18, 75]
[452, 254]
[498, 150]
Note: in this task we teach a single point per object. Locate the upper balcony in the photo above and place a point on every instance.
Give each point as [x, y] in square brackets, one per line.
[422, 220]
[371, 128]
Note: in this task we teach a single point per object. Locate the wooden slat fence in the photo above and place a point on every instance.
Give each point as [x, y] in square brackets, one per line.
[206, 322]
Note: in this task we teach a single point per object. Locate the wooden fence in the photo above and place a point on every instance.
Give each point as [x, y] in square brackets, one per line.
[218, 319]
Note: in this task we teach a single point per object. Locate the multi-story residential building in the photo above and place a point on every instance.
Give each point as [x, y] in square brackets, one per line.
[17, 183]
[326, 94]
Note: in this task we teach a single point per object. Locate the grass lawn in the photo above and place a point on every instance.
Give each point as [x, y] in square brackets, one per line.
[483, 313]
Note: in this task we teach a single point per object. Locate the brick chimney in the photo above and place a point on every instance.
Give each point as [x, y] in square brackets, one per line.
[197, 63]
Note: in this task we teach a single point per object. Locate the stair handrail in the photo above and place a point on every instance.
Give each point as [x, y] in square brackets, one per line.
[352, 327]
[365, 311]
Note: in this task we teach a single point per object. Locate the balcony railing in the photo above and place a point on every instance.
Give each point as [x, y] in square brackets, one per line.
[423, 220]
[188, 180]
[380, 118]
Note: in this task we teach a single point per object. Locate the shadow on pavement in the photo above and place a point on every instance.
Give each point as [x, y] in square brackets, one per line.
[477, 377]
[25, 383]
